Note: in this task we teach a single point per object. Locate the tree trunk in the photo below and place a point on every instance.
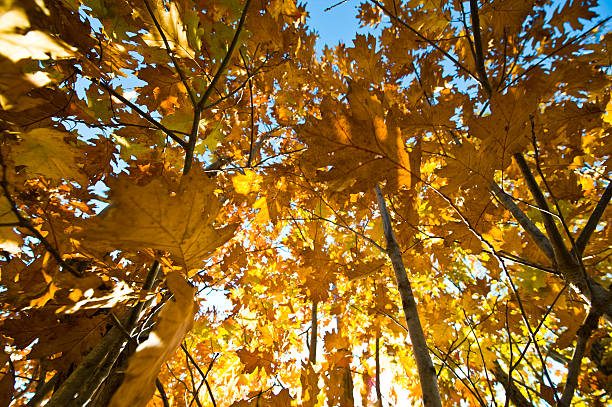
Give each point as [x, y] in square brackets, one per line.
[425, 367]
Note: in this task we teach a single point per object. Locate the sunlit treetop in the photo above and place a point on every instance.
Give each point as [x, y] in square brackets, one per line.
[200, 205]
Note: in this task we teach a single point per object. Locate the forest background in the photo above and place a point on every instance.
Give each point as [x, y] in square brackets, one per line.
[200, 206]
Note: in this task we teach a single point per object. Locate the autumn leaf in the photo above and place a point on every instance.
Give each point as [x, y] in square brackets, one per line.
[7, 384]
[282, 399]
[9, 240]
[44, 152]
[16, 45]
[151, 216]
[175, 320]
[71, 336]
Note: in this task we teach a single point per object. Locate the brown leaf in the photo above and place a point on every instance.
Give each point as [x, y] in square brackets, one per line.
[71, 336]
[7, 387]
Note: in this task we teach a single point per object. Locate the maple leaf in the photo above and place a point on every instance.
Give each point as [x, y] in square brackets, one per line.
[33, 44]
[7, 385]
[175, 320]
[170, 19]
[353, 148]
[72, 335]
[253, 360]
[151, 216]
[9, 240]
[44, 152]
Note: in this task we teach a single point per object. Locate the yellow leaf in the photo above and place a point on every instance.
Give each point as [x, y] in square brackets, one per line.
[175, 320]
[150, 217]
[9, 240]
[247, 183]
[263, 216]
[34, 44]
[45, 153]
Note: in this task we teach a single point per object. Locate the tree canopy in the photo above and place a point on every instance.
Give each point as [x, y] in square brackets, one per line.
[198, 208]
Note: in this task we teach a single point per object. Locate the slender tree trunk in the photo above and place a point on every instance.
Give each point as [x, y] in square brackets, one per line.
[425, 367]
[377, 357]
[312, 357]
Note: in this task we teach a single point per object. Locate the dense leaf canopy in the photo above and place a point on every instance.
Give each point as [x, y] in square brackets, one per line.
[197, 207]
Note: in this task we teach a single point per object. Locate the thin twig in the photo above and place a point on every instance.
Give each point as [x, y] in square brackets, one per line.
[133, 106]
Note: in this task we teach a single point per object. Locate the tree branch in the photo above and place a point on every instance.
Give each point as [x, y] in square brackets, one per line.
[573, 370]
[379, 402]
[528, 226]
[93, 370]
[137, 109]
[562, 255]
[513, 392]
[195, 126]
[312, 354]
[482, 73]
[589, 228]
[425, 367]
[203, 374]
[162, 392]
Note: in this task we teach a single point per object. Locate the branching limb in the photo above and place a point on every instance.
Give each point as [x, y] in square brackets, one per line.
[573, 370]
[594, 219]
[595, 293]
[560, 250]
[528, 226]
[195, 126]
[202, 373]
[252, 138]
[480, 67]
[93, 370]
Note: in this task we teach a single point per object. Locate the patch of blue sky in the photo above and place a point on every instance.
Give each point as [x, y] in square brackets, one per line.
[335, 23]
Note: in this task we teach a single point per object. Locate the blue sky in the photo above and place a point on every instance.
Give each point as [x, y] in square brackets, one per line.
[340, 23]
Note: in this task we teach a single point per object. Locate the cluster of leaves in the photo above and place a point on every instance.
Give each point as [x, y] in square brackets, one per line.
[196, 207]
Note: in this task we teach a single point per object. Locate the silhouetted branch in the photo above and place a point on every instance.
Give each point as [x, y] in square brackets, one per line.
[589, 228]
